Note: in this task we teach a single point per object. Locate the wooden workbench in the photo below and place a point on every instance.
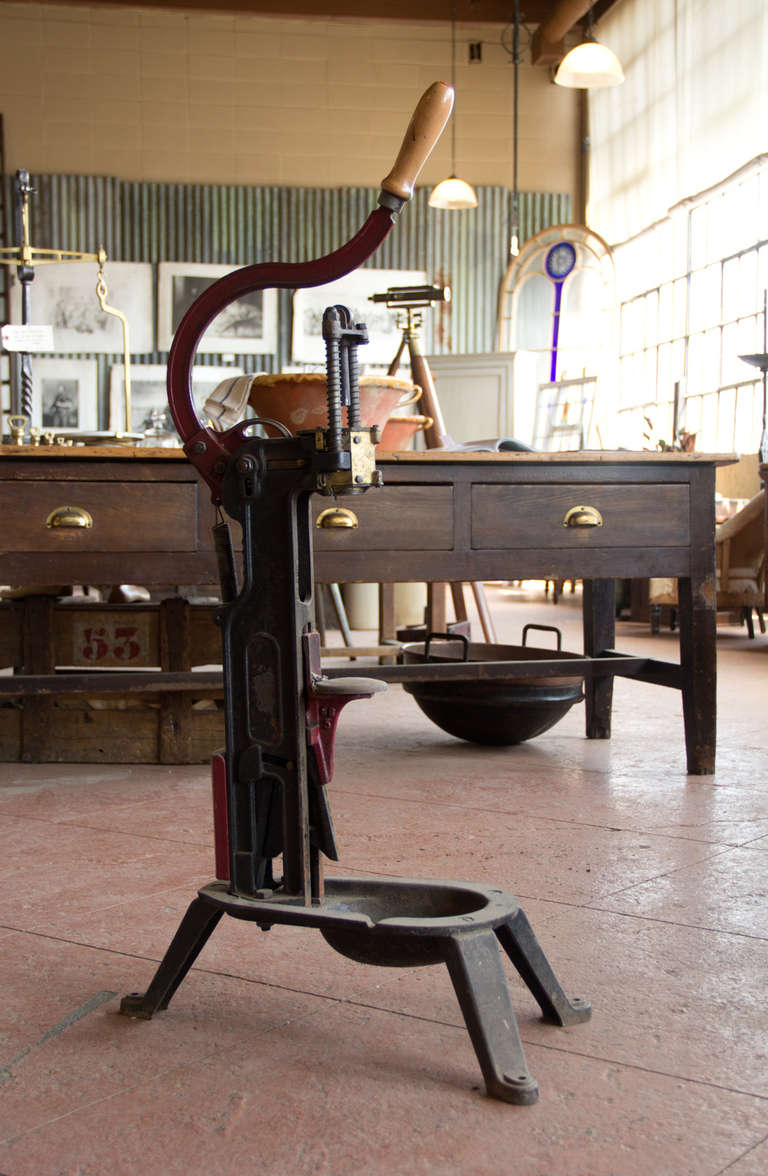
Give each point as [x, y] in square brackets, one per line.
[439, 517]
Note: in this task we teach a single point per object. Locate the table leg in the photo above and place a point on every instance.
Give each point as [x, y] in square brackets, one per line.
[38, 629]
[437, 619]
[599, 619]
[698, 660]
[387, 620]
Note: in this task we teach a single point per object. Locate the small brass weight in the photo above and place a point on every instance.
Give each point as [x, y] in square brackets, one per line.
[18, 427]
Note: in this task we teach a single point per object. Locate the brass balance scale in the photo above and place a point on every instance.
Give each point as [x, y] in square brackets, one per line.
[26, 257]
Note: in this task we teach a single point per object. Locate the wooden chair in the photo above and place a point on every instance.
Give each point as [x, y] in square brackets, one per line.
[740, 548]
[740, 561]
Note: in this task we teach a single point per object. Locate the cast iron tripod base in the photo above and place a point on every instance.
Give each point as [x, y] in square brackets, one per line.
[403, 923]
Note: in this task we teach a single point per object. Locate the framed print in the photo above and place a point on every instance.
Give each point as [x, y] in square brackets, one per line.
[65, 394]
[149, 395]
[352, 291]
[245, 327]
[564, 411]
[63, 295]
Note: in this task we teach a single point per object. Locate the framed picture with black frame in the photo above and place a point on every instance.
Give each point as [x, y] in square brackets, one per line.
[64, 394]
[247, 326]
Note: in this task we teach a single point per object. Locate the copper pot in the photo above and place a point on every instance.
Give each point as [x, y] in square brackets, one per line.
[298, 399]
[399, 431]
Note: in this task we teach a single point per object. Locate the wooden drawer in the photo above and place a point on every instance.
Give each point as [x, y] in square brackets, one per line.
[394, 518]
[127, 516]
[531, 516]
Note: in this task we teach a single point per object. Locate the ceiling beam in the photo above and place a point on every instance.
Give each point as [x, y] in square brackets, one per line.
[563, 15]
[557, 16]
[467, 11]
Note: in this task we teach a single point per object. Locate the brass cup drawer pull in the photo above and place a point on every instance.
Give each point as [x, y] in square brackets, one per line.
[69, 517]
[336, 518]
[583, 516]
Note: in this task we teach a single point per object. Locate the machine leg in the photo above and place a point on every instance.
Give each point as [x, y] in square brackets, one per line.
[523, 948]
[478, 978]
[194, 931]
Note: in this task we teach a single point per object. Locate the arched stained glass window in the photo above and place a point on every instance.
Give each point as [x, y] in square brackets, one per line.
[564, 273]
[558, 300]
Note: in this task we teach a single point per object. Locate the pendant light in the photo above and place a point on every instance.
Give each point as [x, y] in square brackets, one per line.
[590, 65]
[453, 193]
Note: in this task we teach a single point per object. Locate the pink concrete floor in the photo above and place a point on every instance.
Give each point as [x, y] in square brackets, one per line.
[646, 887]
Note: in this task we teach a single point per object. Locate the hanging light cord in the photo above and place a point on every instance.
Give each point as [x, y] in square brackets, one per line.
[514, 236]
[453, 86]
[510, 41]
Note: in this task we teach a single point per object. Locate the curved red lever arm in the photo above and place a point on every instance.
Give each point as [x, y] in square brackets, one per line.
[209, 450]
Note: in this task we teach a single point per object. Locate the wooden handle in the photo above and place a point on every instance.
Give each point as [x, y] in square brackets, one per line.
[424, 129]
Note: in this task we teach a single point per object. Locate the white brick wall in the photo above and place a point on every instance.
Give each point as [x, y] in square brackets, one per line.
[195, 97]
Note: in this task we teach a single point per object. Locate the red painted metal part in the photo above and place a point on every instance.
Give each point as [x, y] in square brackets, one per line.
[220, 817]
[208, 450]
[324, 707]
[322, 720]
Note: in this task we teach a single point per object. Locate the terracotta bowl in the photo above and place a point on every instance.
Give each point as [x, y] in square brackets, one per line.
[298, 401]
[399, 431]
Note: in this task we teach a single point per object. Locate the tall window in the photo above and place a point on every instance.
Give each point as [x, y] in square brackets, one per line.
[691, 292]
[679, 188]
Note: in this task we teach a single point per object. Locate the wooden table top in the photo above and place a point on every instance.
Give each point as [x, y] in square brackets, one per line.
[409, 457]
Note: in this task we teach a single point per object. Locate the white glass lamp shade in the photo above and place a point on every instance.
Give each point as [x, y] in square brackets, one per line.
[454, 194]
[589, 66]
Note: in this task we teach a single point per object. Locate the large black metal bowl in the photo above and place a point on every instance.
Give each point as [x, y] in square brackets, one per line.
[500, 712]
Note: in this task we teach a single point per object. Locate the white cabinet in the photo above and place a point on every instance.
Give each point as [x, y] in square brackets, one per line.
[486, 395]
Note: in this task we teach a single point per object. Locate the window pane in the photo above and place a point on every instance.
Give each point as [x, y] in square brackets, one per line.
[698, 228]
[739, 228]
[734, 369]
[670, 368]
[762, 268]
[690, 420]
[581, 324]
[704, 362]
[706, 438]
[680, 303]
[705, 298]
[533, 318]
[748, 302]
[731, 290]
[726, 419]
[631, 380]
[719, 230]
[749, 341]
[650, 316]
[748, 418]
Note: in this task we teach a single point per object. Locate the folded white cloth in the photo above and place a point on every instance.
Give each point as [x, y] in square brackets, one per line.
[225, 406]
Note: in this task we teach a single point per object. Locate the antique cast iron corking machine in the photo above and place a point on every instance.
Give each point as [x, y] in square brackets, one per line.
[269, 785]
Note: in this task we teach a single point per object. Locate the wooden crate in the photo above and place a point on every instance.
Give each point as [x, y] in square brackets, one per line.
[39, 635]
